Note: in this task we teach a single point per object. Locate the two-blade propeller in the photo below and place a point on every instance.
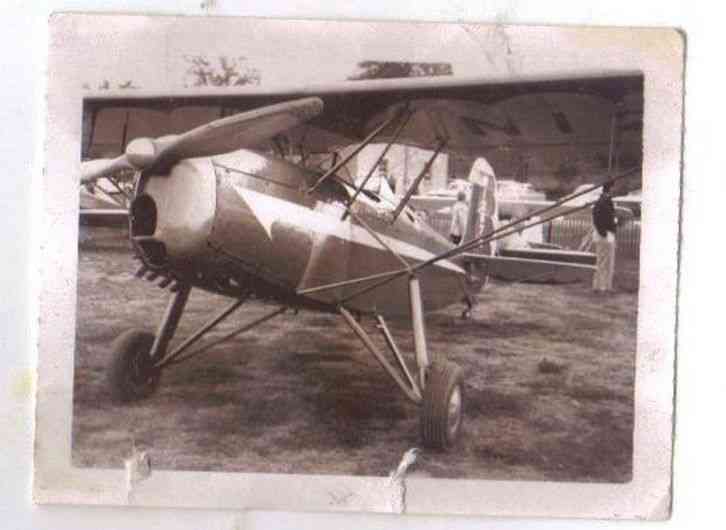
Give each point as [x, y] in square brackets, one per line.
[246, 129]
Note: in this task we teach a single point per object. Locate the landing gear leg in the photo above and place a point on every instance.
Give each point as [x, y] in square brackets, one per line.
[441, 410]
[140, 357]
[435, 385]
[132, 374]
[419, 329]
[169, 323]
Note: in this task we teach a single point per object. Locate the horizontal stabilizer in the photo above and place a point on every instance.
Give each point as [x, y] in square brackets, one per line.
[529, 269]
[550, 254]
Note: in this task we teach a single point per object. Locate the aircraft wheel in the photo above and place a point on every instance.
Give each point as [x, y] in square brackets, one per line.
[130, 375]
[441, 413]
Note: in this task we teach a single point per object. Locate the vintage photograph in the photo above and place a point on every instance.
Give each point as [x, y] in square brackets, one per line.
[363, 255]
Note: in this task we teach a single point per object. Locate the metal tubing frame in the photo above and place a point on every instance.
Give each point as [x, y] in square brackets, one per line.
[419, 328]
[367, 140]
[122, 191]
[194, 337]
[410, 393]
[170, 321]
[397, 354]
[344, 283]
[228, 336]
[380, 240]
[396, 134]
[417, 180]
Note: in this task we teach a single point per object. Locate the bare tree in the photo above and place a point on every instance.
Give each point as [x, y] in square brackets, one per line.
[396, 69]
[222, 71]
[106, 85]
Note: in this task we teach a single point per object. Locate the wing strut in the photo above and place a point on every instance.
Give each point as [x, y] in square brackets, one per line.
[368, 139]
[112, 180]
[404, 121]
[344, 283]
[417, 181]
[410, 389]
[380, 240]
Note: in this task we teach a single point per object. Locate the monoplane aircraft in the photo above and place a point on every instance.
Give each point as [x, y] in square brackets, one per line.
[236, 206]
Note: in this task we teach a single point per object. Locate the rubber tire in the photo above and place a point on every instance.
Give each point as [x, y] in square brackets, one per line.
[442, 379]
[129, 348]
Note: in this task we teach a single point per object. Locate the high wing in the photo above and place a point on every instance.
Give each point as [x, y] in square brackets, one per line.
[514, 122]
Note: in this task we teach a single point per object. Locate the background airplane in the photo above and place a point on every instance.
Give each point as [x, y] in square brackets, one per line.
[105, 202]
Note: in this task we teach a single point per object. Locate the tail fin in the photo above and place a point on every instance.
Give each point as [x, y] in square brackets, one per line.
[483, 209]
[482, 218]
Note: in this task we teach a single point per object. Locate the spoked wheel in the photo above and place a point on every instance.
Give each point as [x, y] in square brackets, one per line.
[441, 413]
[131, 375]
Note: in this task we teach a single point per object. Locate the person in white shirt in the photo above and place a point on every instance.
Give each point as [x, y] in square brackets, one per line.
[458, 218]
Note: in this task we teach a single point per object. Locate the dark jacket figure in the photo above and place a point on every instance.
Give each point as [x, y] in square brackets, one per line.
[603, 238]
[603, 213]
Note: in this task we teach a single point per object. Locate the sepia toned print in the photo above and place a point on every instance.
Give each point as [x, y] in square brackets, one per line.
[273, 230]
[399, 268]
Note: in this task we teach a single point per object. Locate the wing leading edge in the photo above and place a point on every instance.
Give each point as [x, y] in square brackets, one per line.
[521, 118]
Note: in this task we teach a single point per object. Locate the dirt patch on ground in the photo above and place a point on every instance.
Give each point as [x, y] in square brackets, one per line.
[300, 394]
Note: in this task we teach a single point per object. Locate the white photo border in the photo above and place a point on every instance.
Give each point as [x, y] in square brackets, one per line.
[657, 53]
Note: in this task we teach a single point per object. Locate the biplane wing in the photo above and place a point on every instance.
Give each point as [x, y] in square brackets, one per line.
[507, 120]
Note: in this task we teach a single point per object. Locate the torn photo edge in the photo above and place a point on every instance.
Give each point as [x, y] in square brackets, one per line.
[657, 53]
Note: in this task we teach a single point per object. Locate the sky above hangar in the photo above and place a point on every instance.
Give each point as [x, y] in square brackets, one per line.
[150, 51]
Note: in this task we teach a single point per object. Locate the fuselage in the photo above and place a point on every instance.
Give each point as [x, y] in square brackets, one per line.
[245, 222]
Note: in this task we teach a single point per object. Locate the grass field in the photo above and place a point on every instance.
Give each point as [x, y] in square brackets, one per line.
[549, 385]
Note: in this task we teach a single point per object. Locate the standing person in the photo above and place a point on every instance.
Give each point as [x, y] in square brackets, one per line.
[386, 175]
[458, 218]
[603, 238]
